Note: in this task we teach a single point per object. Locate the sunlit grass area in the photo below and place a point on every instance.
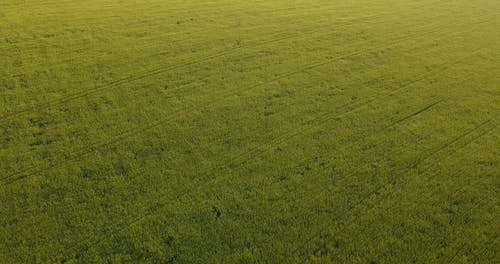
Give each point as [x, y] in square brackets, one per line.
[261, 131]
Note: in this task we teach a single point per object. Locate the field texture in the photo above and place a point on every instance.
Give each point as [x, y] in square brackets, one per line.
[249, 131]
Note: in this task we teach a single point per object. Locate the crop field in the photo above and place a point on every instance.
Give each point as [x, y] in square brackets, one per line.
[249, 131]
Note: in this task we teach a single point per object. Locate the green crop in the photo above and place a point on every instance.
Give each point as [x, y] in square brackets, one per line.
[256, 131]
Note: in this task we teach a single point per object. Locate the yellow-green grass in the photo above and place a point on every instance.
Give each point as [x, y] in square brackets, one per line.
[271, 131]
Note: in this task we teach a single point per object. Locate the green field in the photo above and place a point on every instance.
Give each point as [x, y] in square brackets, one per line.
[249, 131]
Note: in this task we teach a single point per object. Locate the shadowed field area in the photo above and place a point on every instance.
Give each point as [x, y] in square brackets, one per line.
[261, 131]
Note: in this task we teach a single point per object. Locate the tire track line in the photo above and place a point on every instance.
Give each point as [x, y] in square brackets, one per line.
[420, 111]
[490, 243]
[492, 123]
[461, 248]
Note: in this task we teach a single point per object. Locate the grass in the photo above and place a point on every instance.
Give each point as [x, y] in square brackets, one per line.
[315, 131]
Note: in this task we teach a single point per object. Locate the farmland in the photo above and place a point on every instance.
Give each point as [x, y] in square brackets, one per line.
[258, 131]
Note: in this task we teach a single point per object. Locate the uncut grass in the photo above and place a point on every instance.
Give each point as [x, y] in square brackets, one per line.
[340, 243]
[448, 201]
[176, 144]
[116, 64]
[215, 42]
[208, 215]
[107, 124]
[82, 120]
[98, 108]
[261, 209]
[24, 136]
[398, 251]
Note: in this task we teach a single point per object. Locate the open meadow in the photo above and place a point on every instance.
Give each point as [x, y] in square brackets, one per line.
[249, 131]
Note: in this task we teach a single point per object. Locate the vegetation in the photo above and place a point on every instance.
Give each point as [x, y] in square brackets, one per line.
[231, 131]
